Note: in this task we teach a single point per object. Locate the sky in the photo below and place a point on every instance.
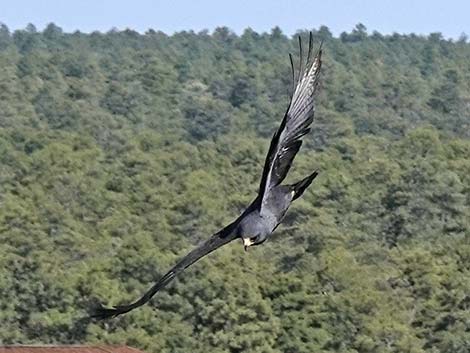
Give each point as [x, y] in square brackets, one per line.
[450, 17]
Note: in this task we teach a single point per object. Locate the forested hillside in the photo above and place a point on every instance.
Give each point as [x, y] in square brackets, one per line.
[120, 151]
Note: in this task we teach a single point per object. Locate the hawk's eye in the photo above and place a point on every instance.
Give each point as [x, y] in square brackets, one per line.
[254, 239]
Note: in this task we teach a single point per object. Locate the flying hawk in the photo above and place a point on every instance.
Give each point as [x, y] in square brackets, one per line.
[267, 210]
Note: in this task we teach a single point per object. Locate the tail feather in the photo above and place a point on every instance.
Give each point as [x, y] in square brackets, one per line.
[302, 185]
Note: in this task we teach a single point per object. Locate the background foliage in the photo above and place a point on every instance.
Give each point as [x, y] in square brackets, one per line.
[120, 151]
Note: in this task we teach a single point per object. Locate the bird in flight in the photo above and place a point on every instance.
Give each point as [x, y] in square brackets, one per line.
[266, 212]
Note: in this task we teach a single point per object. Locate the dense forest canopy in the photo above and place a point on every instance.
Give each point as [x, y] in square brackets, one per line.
[119, 151]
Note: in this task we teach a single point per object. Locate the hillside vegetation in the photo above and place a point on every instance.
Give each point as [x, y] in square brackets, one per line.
[120, 151]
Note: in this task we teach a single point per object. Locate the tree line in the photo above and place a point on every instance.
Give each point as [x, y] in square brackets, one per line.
[119, 151]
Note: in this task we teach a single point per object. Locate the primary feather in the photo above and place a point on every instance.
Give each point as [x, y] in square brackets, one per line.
[220, 238]
[286, 141]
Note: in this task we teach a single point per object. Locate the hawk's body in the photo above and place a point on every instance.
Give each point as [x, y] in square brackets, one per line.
[266, 212]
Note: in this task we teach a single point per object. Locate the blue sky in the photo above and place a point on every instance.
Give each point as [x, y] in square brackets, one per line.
[450, 17]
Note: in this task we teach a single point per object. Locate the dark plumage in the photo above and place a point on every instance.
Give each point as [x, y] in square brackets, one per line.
[265, 213]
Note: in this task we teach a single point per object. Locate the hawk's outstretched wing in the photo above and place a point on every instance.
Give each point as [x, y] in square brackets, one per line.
[286, 141]
[220, 238]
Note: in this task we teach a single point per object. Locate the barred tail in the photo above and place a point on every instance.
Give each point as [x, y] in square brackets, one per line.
[302, 185]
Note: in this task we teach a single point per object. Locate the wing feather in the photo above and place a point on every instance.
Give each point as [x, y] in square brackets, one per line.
[299, 116]
[219, 239]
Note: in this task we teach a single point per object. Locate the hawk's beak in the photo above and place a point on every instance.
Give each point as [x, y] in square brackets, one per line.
[247, 242]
